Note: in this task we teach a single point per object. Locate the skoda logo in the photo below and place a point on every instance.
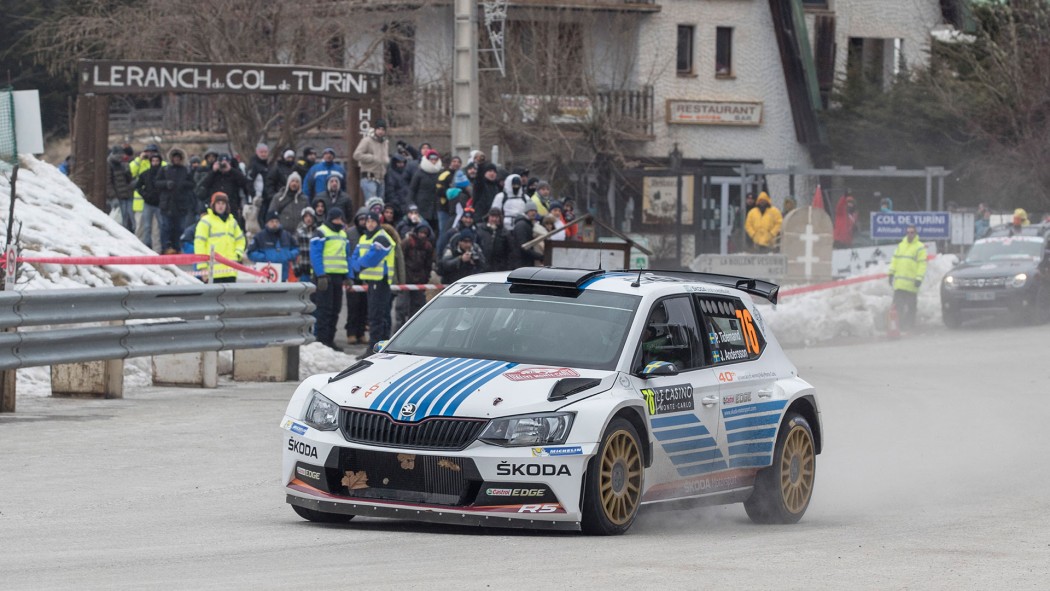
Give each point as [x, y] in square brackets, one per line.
[408, 409]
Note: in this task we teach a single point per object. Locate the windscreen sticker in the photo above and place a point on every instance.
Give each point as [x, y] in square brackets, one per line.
[465, 289]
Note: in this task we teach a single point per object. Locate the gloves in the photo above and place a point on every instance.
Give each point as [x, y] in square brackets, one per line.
[322, 283]
[918, 282]
[891, 280]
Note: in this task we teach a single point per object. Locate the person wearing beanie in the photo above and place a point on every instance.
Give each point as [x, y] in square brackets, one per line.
[372, 155]
[492, 237]
[317, 179]
[303, 233]
[177, 200]
[542, 197]
[335, 196]
[462, 258]
[374, 261]
[374, 205]
[277, 177]
[330, 263]
[763, 224]
[422, 190]
[411, 221]
[356, 302]
[274, 245]
[258, 169]
[555, 213]
[519, 255]
[289, 202]
[305, 163]
[218, 229]
[395, 183]
[464, 221]
[486, 186]
[226, 177]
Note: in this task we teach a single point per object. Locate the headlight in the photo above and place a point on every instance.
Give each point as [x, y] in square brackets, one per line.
[949, 282]
[1018, 280]
[321, 413]
[540, 429]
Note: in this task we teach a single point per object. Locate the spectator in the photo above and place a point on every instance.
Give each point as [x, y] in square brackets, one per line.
[519, 255]
[146, 185]
[763, 224]
[307, 162]
[422, 190]
[303, 233]
[411, 156]
[274, 245]
[189, 233]
[478, 158]
[373, 261]
[886, 205]
[225, 177]
[486, 187]
[493, 240]
[418, 247]
[199, 174]
[391, 216]
[288, 204]
[119, 187]
[789, 205]
[983, 222]
[548, 224]
[523, 173]
[373, 155]
[512, 200]
[557, 211]
[464, 222]
[277, 177]
[178, 202]
[845, 221]
[411, 221]
[258, 168]
[139, 165]
[321, 207]
[907, 270]
[356, 302]
[396, 182]
[317, 179]
[329, 260]
[542, 197]
[334, 196]
[1020, 220]
[446, 210]
[218, 229]
[461, 259]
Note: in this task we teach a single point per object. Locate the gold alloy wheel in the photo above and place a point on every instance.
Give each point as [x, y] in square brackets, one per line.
[796, 469]
[620, 482]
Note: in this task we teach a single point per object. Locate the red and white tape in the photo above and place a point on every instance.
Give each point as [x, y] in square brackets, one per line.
[402, 287]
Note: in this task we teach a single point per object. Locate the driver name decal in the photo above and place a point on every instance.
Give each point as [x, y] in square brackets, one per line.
[668, 399]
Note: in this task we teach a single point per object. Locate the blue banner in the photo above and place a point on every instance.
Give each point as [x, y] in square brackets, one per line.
[931, 225]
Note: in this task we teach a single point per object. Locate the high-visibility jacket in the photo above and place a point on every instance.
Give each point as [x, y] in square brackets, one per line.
[227, 238]
[328, 252]
[908, 266]
[372, 260]
[137, 167]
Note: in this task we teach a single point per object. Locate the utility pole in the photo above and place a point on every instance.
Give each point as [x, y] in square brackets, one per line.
[465, 133]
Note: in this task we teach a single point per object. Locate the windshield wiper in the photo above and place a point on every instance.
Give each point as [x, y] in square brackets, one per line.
[396, 352]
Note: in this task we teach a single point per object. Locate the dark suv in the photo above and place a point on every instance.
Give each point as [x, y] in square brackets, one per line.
[1008, 271]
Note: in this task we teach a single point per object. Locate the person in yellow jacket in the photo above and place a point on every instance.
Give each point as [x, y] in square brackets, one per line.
[374, 261]
[219, 229]
[763, 224]
[907, 270]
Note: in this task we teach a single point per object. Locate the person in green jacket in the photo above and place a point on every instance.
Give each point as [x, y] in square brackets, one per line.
[907, 270]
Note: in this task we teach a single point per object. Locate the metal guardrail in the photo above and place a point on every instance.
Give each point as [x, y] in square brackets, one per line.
[183, 319]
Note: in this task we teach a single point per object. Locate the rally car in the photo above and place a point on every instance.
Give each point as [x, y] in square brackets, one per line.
[564, 399]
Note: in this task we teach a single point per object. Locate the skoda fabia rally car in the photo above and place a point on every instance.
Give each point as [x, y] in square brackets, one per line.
[561, 398]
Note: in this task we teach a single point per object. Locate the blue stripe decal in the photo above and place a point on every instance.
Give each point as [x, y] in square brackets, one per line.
[427, 392]
[752, 422]
[421, 381]
[661, 422]
[700, 456]
[701, 468]
[404, 380]
[453, 406]
[751, 448]
[750, 461]
[587, 283]
[751, 435]
[435, 403]
[681, 433]
[691, 444]
[754, 408]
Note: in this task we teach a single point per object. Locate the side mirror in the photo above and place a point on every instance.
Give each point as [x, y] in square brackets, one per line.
[659, 368]
[378, 347]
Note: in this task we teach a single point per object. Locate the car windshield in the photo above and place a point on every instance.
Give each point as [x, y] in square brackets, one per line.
[1006, 248]
[584, 329]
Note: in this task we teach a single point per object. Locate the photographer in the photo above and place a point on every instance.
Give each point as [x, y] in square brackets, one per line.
[462, 258]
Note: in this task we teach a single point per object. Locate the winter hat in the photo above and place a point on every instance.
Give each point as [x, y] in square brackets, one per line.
[153, 148]
[289, 154]
[116, 151]
[530, 206]
[542, 184]
[374, 201]
[466, 235]
[469, 211]
[219, 196]
[487, 167]
[308, 210]
[327, 150]
[176, 152]
[379, 124]
[453, 193]
[335, 214]
[308, 150]
[763, 196]
[294, 177]
[224, 157]
[373, 216]
[412, 208]
[428, 153]
[555, 205]
[272, 215]
[499, 212]
[521, 171]
[460, 180]
[128, 151]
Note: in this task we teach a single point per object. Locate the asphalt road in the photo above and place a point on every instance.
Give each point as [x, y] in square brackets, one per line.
[934, 476]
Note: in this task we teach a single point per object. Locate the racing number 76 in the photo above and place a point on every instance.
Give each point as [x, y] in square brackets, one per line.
[748, 328]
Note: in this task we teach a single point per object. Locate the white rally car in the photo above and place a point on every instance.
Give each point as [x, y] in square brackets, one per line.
[561, 398]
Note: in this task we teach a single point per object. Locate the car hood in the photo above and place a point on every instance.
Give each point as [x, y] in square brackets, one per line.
[412, 387]
[993, 268]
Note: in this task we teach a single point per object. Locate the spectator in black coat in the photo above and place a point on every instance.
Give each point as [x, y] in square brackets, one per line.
[423, 189]
[277, 177]
[418, 247]
[462, 258]
[494, 241]
[226, 177]
[146, 185]
[334, 195]
[396, 182]
[486, 187]
[518, 255]
[178, 201]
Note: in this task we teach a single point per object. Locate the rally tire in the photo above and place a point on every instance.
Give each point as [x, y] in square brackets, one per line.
[783, 491]
[613, 482]
[952, 318]
[320, 516]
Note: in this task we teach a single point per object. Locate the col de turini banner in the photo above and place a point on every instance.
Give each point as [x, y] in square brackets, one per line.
[136, 77]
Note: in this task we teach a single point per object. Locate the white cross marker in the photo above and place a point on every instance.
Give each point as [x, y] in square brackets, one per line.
[809, 238]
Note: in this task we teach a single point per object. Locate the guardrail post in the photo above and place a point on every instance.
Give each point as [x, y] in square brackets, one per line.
[196, 370]
[272, 364]
[7, 390]
[91, 379]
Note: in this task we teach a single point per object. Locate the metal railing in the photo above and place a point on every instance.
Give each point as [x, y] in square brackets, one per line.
[176, 319]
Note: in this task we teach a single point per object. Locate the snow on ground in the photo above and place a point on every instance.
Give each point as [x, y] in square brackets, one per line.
[58, 221]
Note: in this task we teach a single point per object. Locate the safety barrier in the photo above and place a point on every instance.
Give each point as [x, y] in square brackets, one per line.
[167, 259]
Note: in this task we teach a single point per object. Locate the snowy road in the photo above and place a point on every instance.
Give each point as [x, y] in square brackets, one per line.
[934, 476]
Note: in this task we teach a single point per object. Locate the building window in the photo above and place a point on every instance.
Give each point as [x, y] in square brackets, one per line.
[685, 49]
[814, 3]
[724, 52]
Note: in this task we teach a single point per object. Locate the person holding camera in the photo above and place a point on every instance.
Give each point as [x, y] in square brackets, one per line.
[462, 258]
[226, 177]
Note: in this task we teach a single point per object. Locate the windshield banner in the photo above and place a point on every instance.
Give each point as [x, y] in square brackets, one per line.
[931, 225]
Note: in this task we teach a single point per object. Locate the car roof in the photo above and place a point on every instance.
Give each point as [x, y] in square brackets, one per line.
[647, 282]
[1008, 230]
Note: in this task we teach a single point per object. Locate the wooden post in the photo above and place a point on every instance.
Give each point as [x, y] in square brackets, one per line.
[90, 147]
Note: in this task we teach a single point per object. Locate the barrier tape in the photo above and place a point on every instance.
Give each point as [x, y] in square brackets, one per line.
[401, 287]
[165, 259]
[839, 283]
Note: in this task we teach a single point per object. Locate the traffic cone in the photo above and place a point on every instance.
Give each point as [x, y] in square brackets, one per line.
[893, 329]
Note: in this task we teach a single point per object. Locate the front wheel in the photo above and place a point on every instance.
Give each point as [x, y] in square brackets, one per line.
[320, 516]
[952, 318]
[613, 488]
[783, 490]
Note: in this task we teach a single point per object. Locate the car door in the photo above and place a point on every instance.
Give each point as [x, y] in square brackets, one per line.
[683, 409]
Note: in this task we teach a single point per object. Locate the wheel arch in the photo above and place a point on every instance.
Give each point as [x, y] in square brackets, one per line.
[633, 415]
[807, 407]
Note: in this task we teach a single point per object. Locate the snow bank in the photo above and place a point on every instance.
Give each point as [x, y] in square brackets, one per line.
[316, 358]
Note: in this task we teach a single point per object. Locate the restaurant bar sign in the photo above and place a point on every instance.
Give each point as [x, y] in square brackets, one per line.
[690, 112]
[134, 77]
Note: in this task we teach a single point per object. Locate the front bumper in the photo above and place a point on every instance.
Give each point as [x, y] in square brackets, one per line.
[985, 300]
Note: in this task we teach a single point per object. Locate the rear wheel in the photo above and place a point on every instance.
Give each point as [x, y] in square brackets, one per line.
[320, 516]
[783, 490]
[613, 488]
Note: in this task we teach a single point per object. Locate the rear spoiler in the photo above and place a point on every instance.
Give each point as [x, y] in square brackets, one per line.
[748, 285]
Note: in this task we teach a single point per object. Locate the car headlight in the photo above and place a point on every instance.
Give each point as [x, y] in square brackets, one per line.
[538, 429]
[949, 282]
[321, 413]
[1018, 280]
